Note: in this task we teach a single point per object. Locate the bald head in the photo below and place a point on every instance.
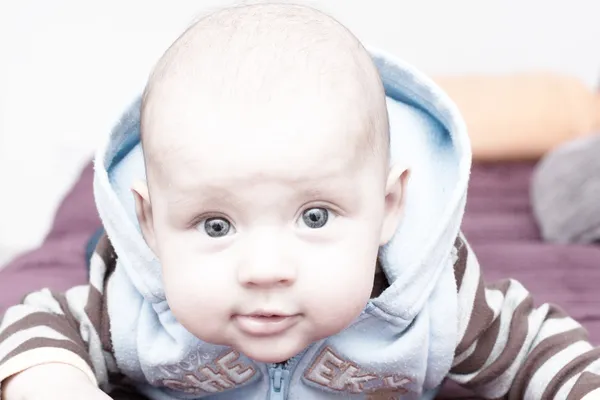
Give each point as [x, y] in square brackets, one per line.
[254, 60]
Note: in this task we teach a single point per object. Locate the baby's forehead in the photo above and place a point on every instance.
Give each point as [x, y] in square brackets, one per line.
[198, 133]
[260, 138]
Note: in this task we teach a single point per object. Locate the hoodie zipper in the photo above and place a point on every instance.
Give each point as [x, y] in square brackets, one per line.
[279, 375]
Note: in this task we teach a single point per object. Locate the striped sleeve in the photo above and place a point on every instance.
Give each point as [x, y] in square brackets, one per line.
[510, 349]
[70, 327]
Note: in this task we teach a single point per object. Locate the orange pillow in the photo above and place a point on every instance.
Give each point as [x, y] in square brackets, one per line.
[524, 115]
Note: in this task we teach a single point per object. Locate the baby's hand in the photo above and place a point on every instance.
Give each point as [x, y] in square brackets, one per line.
[51, 382]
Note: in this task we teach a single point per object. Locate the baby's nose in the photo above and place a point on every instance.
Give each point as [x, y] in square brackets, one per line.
[265, 265]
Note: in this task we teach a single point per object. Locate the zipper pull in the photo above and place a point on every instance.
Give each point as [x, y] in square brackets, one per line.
[279, 379]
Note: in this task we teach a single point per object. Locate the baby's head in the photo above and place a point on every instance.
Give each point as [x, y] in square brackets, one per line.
[269, 191]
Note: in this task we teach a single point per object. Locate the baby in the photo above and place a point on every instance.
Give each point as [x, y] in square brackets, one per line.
[274, 247]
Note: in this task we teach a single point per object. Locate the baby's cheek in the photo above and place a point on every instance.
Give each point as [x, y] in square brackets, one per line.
[342, 286]
[194, 294]
[200, 309]
[352, 266]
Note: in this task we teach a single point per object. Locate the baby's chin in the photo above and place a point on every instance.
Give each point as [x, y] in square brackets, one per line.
[271, 350]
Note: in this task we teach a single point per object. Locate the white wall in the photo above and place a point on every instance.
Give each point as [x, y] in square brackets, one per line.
[68, 67]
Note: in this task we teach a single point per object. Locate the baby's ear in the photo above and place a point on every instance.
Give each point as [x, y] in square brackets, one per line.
[143, 210]
[394, 201]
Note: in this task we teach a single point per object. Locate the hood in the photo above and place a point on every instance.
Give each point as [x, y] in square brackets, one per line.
[429, 137]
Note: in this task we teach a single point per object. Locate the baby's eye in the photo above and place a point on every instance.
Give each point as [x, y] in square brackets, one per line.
[316, 217]
[215, 227]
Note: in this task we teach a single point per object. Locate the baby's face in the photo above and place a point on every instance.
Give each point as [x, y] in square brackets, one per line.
[267, 224]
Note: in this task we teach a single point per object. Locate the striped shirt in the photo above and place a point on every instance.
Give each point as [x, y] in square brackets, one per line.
[507, 347]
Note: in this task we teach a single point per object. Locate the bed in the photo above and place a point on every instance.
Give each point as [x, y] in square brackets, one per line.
[503, 233]
[498, 222]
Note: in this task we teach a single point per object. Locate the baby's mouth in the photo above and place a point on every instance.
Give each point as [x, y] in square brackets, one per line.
[265, 323]
[268, 318]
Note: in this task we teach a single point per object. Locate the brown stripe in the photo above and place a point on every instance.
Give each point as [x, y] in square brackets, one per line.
[97, 305]
[481, 318]
[482, 352]
[55, 322]
[570, 370]
[111, 266]
[555, 312]
[501, 285]
[105, 250]
[460, 265]
[66, 309]
[38, 343]
[586, 383]
[517, 333]
[104, 331]
[545, 350]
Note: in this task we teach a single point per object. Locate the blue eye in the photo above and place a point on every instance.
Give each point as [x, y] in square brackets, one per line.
[217, 227]
[315, 218]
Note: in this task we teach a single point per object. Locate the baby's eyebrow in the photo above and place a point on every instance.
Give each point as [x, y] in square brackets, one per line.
[321, 191]
[212, 193]
[308, 187]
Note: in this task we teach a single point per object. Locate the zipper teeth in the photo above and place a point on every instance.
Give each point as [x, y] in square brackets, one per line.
[285, 364]
[290, 361]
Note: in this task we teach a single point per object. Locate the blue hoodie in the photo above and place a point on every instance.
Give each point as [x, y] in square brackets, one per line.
[403, 341]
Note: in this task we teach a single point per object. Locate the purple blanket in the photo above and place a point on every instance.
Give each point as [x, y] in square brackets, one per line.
[498, 224]
[59, 263]
[501, 229]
